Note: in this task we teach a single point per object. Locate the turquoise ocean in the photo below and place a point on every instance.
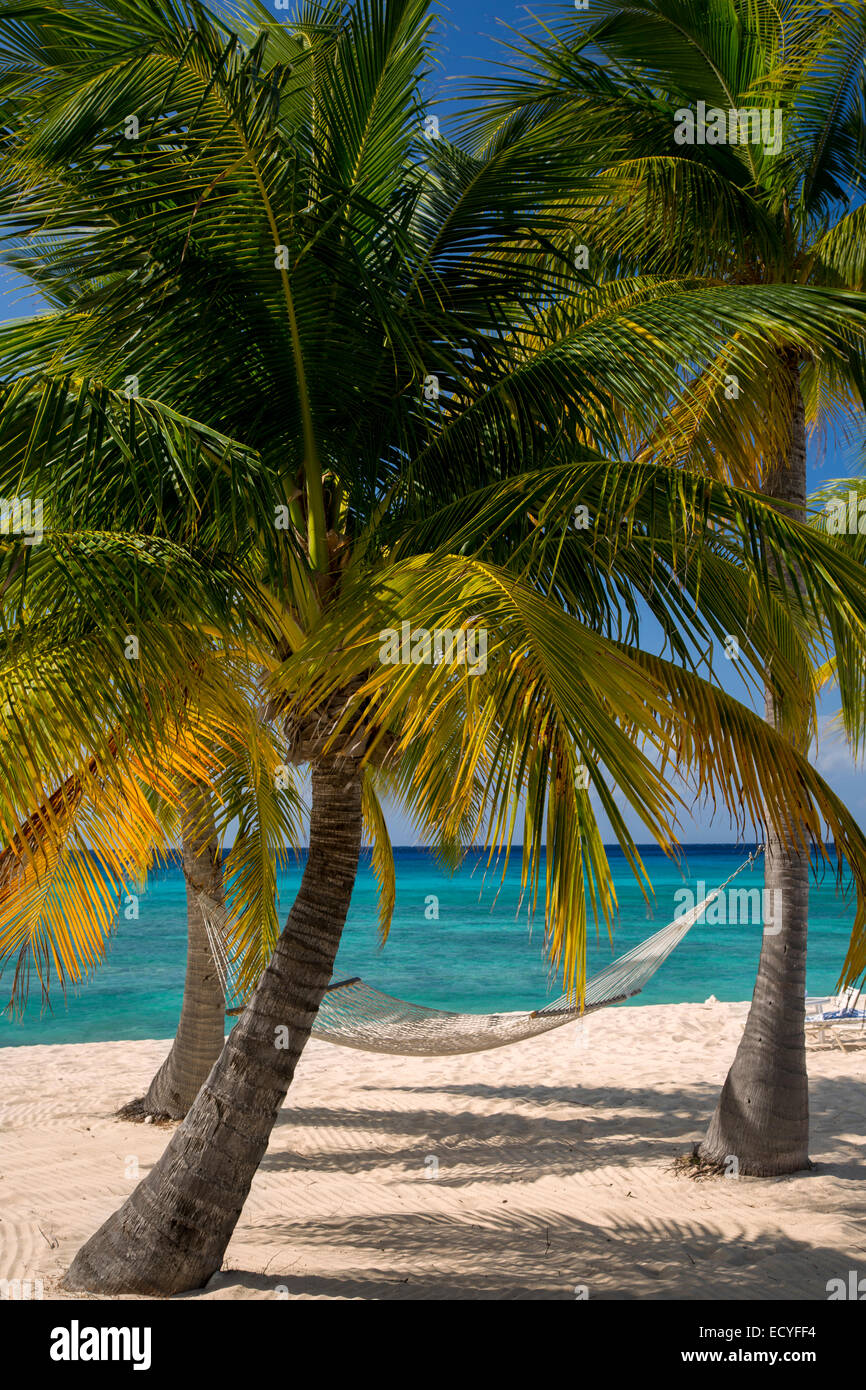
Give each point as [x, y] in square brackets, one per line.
[479, 956]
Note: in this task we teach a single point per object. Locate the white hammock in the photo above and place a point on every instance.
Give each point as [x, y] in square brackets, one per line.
[355, 1014]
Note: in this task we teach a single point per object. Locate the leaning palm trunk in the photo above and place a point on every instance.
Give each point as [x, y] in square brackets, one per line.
[171, 1233]
[762, 1118]
[201, 1031]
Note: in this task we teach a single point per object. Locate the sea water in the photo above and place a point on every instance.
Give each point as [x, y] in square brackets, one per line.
[480, 954]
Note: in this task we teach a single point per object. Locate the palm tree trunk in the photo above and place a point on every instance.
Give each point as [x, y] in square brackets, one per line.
[762, 1118]
[171, 1233]
[201, 1031]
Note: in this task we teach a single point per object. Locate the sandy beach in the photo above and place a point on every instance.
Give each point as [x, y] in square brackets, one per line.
[538, 1171]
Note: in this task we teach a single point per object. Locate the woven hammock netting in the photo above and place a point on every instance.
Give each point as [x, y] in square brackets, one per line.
[355, 1014]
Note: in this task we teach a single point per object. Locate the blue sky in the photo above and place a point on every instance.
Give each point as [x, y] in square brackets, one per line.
[469, 36]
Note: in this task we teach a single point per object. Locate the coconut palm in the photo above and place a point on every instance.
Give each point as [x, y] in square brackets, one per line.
[91, 734]
[78, 850]
[201, 1027]
[230, 896]
[838, 509]
[421, 423]
[649, 89]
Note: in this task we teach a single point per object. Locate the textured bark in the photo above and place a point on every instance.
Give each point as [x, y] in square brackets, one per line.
[762, 1118]
[201, 1031]
[171, 1233]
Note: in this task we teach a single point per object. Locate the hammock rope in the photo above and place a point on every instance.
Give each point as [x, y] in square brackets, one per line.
[355, 1014]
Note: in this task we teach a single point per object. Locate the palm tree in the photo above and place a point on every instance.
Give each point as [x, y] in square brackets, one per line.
[72, 856]
[246, 925]
[444, 408]
[647, 92]
[106, 757]
[838, 510]
[201, 1028]
[230, 894]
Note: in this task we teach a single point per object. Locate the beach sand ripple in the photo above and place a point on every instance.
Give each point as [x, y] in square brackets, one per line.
[535, 1171]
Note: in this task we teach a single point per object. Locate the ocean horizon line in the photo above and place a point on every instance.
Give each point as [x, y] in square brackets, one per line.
[609, 847]
[464, 942]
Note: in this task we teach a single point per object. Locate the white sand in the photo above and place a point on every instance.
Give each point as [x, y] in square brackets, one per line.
[554, 1170]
